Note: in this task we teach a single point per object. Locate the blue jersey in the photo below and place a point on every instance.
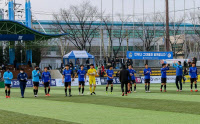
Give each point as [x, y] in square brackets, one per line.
[131, 71]
[35, 76]
[164, 72]
[147, 73]
[193, 72]
[81, 75]
[22, 77]
[67, 74]
[46, 77]
[179, 69]
[7, 76]
[110, 74]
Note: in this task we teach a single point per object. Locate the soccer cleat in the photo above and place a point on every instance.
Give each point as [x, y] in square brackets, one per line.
[135, 91]
[90, 93]
[106, 92]
[165, 90]
[111, 92]
[122, 94]
[125, 94]
[191, 90]
[180, 90]
[70, 95]
[35, 95]
[196, 90]
[22, 96]
[160, 90]
[146, 91]
[79, 93]
[129, 92]
[66, 94]
[149, 91]
[6, 96]
[177, 90]
[48, 94]
[82, 94]
[94, 93]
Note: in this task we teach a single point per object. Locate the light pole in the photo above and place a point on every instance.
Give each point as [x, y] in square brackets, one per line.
[167, 25]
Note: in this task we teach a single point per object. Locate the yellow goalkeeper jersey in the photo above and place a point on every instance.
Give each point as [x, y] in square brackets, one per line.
[90, 72]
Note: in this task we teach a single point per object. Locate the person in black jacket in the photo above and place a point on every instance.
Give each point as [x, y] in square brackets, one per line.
[123, 77]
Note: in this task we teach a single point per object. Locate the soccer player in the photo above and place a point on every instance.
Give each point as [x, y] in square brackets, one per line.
[179, 75]
[123, 78]
[36, 78]
[7, 76]
[46, 79]
[92, 81]
[22, 78]
[81, 78]
[164, 76]
[110, 74]
[147, 73]
[133, 80]
[193, 76]
[67, 74]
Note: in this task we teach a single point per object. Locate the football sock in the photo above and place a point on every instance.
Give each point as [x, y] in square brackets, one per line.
[106, 88]
[191, 86]
[70, 91]
[161, 87]
[148, 87]
[195, 86]
[165, 86]
[65, 90]
[145, 87]
[79, 89]
[6, 92]
[90, 89]
[49, 90]
[82, 90]
[134, 88]
[45, 90]
[131, 88]
[94, 89]
[111, 89]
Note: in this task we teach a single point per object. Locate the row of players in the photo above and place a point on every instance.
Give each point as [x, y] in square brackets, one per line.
[126, 77]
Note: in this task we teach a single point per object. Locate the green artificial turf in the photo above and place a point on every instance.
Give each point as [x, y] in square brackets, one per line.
[139, 108]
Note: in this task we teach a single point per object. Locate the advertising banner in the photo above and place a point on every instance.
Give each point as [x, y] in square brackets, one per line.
[116, 80]
[149, 55]
[157, 79]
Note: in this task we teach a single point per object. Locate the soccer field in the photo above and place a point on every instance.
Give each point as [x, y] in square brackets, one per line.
[139, 108]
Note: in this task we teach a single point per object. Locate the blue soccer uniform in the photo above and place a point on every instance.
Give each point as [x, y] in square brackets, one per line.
[81, 79]
[110, 74]
[67, 80]
[46, 79]
[193, 77]
[164, 78]
[147, 79]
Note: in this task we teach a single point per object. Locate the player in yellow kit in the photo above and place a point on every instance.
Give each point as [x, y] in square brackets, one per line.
[91, 73]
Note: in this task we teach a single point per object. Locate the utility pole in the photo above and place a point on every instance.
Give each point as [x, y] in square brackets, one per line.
[167, 25]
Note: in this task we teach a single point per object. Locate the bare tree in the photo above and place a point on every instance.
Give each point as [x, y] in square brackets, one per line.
[118, 34]
[79, 23]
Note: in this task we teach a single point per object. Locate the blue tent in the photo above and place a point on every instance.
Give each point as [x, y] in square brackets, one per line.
[77, 55]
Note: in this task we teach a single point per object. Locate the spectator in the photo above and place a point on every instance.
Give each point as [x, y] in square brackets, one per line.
[194, 60]
[102, 67]
[3, 67]
[96, 67]
[88, 63]
[15, 64]
[101, 72]
[117, 63]
[29, 63]
[113, 62]
[77, 62]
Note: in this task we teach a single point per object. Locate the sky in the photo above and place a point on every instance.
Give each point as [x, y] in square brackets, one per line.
[43, 9]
